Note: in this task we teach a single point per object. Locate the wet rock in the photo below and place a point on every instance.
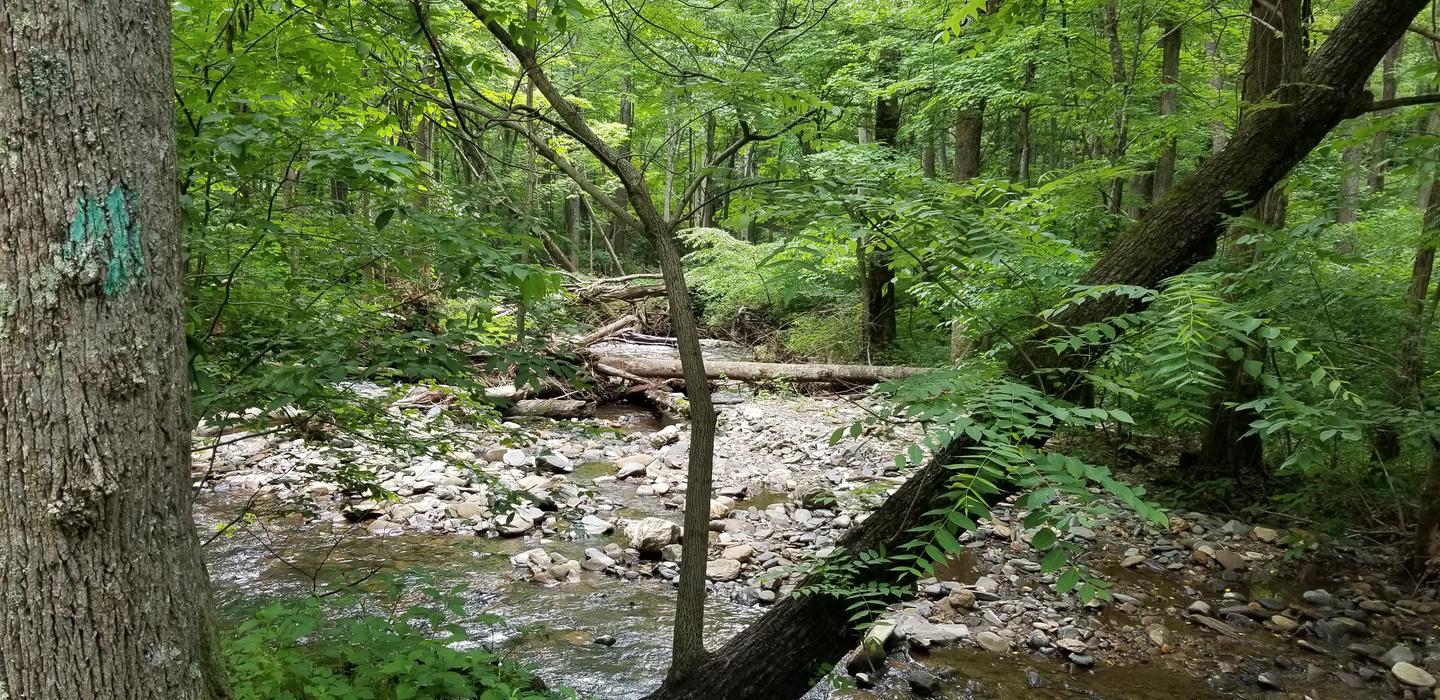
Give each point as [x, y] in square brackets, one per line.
[1412, 675]
[1397, 654]
[595, 525]
[1073, 646]
[922, 683]
[1034, 679]
[1320, 597]
[596, 560]
[650, 535]
[604, 640]
[1082, 660]
[1199, 607]
[1132, 561]
[1268, 682]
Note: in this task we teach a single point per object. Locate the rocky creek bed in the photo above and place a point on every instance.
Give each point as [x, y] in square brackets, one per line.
[579, 569]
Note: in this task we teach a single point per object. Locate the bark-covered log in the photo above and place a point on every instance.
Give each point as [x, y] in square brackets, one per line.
[780, 655]
[762, 371]
[102, 587]
[607, 330]
[551, 408]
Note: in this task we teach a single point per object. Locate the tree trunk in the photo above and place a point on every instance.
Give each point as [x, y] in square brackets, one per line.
[1380, 142]
[621, 194]
[1169, 105]
[780, 655]
[1409, 357]
[1024, 139]
[927, 156]
[875, 257]
[1351, 166]
[1111, 16]
[1426, 550]
[968, 130]
[707, 207]
[104, 589]
[1274, 57]
[1218, 134]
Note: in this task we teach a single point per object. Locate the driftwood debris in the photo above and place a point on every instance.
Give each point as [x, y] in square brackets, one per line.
[607, 330]
[648, 368]
[551, 408]
[616, 288]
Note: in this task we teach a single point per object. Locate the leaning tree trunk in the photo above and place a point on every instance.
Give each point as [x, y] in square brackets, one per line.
[103, 588]
[782, 654]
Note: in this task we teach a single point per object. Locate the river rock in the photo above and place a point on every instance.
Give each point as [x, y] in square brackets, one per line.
[1231, 561]
[740, 552]
[1412, 675]
[870, 657]
[992, 642]
[515, 458]
[630, 469]
[922, 683]
[1264, 534]
[722, 569]
[555, 462]
[1397, 654]
[922, 633]
[671, 553]
[650, 535]
[595, 525]
[466, 510]
[1320, 597]
[596, 560]
[513, 524]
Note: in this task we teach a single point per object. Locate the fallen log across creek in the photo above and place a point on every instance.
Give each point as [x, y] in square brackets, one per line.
[651, 368]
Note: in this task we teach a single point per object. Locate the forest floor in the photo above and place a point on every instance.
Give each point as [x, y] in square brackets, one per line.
[581, 576]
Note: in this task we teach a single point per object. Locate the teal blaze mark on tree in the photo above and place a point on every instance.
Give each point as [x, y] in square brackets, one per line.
[105, 231]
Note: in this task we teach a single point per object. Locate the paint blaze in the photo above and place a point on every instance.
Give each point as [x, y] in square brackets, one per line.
[105, 235]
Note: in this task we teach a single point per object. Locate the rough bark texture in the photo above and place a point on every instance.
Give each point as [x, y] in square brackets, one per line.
[104, 591]
[1169, 105]
[1274, 58]
[1380, 142]
[780, 655]
[877, 279]
[1410, 355]
[759, 371]
[1426, 552]
[1351, 165]
[968, 129]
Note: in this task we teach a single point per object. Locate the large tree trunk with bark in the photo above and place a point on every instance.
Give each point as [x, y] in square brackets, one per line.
[780, 655]
[1169, 104]
[104, 590]
[1275, 56]
[877, 282]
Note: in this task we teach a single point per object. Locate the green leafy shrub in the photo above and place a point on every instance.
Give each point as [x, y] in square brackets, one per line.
[294, 651]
